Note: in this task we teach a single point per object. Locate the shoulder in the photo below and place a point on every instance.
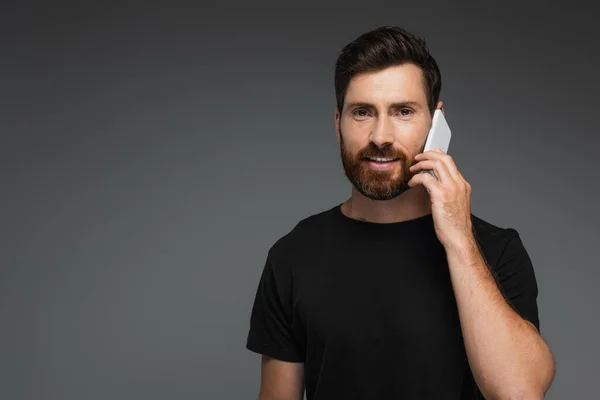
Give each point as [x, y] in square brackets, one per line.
[301, 237]
[495, 241]
[488, 231]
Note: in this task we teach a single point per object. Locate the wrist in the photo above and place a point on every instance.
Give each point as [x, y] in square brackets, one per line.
[464, 246]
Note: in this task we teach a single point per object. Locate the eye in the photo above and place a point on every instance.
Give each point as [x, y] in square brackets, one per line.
[405, 112]
[360, 112]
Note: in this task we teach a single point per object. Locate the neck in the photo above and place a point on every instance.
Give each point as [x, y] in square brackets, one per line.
[411, 204]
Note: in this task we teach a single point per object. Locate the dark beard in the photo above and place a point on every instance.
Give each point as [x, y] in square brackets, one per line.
[376, 185]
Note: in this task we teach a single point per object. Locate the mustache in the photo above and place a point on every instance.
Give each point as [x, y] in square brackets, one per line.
[386, 152]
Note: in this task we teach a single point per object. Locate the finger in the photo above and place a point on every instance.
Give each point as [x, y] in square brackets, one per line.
[447, 160]
[432, 160]
[433, 165]
[430, 183]
[453, 170]
[451, 166]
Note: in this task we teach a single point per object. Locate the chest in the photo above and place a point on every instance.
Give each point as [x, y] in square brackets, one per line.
[381, 303]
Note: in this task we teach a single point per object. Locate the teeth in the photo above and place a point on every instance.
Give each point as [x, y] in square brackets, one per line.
[381, 159]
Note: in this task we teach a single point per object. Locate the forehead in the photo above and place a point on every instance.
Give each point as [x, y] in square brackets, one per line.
[393, 84]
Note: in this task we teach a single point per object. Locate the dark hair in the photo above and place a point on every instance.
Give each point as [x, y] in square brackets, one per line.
[385, 47]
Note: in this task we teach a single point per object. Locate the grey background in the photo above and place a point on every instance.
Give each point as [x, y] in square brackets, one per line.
[151, 155]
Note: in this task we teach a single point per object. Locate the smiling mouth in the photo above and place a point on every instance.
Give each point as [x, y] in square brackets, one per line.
[381, 160]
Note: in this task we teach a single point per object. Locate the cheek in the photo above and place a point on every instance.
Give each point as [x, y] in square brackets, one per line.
[404, 124]
[354, 127]
[354, 147]
[412, 135]
[407, 129]
[354, 133]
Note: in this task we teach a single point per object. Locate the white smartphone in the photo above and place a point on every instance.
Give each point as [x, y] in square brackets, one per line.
[439, 135]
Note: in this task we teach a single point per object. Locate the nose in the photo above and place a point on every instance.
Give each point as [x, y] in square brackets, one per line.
[382, 133]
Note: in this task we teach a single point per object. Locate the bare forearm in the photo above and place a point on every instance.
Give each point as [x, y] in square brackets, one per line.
[508, 357]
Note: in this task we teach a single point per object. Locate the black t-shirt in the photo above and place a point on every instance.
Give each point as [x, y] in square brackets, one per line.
[370, 310]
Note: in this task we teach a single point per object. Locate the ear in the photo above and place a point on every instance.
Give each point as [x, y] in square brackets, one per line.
[337, 124]
[440, 105]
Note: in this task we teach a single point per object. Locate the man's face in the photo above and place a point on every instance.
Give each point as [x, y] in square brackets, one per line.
[382, 126]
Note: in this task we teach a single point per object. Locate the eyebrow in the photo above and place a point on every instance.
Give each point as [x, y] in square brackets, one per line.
[393, 105]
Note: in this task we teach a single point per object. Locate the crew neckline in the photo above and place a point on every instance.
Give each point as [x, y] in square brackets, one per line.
[424, 219]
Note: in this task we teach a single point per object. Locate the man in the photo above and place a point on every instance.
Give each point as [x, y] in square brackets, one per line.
[399, 292]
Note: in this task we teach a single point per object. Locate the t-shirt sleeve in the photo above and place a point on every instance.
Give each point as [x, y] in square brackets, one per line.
[271, 321]
[516, 278]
